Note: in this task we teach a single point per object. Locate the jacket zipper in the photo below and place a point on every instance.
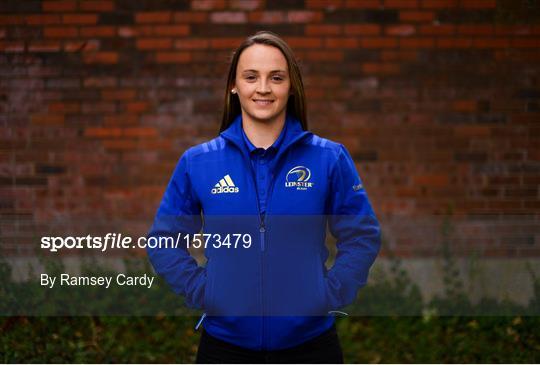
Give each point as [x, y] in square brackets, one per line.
[262, 227]
[262, 231]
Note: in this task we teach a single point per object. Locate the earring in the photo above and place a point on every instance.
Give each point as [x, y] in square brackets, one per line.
[233, 91]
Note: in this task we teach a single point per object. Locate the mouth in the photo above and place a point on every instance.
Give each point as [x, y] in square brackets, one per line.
[263, 102]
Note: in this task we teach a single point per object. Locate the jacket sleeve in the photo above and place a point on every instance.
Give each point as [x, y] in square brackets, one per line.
[353, 223]
[179, 213]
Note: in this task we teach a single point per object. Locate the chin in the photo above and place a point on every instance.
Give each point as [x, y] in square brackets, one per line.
[264, 116]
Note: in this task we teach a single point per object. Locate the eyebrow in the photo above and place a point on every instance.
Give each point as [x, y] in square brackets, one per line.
[273, 71]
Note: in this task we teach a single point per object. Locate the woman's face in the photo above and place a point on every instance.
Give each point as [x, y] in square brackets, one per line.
[262, 83]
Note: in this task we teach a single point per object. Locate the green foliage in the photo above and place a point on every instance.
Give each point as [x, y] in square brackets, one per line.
[364, 339]
[98, 339]
[390, 294]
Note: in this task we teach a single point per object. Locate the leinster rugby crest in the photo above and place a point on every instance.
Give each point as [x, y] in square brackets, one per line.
[298, 177]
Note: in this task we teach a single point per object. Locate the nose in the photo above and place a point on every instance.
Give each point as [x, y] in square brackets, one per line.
[262, 87]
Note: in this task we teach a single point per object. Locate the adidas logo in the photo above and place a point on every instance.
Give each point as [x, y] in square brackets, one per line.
[225, 185]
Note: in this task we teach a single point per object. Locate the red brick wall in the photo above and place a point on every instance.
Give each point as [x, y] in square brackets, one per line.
[437, 101]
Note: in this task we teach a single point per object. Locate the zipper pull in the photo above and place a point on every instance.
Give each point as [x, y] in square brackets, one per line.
[262, 230]
[200, 321]
[340, 312]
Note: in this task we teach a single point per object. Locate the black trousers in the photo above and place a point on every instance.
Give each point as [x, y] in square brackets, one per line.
[323, 349]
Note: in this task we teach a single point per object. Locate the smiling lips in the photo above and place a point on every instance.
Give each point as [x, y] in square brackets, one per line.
[263, 102]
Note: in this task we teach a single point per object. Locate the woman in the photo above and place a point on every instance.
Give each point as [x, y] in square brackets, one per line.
[267, 297]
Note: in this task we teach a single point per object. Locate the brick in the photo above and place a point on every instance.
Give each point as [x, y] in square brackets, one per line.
[302, 42]
[42, 19]
[62, 83]
[439, 4]
[246, 4]
[101, 57]
[11, 19]
[416, 43]
[121, 119]
[472, 29]
[465, 106]
[98, 107]
[137, 106]
[324, 4]
[453, 42]
[154, 43]
[61, 6]
[329, 56]
[416, 16]
[79, 19]
[341, 42]
[47, 119]
[189, 43]
[229, 17]
[208, 4]
[81, 46]
[378, 42]
[402, 30]
[401, 4]
[225, 43]
[12, 46]
[121, 144]
[190, 17]
[64, 107]
[98, 31]
[144, 132]
[436, 180]
[304, 16]
[381, 68]
[97, 5]
[526, 43]
[362, 4]
[118, 94]
[267, 17]
[491, 42]
[524, 30]
[480, 4]
[44, 46]
[173, 57]
[362, 29]
[60, 32]
[127, 32]
[399, 55]
[171, 30]
[102, 132]
[140, 31]
[441, 29]
[153, 17]
[315, 30]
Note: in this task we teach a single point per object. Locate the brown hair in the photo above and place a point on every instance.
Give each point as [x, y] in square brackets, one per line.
[296, 105]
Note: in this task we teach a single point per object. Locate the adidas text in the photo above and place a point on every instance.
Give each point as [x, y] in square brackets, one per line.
[225, 189]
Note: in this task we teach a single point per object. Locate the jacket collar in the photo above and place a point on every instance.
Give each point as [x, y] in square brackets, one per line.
[293, 134]
[273, 147]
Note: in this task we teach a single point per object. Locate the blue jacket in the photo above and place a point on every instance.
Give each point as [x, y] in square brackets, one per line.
[270, 289]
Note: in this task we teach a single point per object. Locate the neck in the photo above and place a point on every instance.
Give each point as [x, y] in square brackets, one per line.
[262, 133]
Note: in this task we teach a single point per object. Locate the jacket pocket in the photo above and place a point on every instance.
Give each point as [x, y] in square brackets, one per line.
[323, 292]
[208, 288]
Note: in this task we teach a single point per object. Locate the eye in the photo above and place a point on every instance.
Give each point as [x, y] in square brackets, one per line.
[278, 78]
[250, 77]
